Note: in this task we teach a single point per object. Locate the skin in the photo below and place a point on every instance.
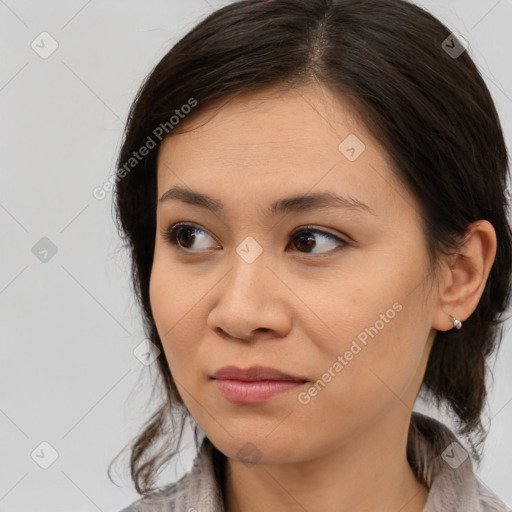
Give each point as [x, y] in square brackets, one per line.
[297, 308]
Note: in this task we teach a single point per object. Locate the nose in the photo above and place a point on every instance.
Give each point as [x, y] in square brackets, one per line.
[251, 304]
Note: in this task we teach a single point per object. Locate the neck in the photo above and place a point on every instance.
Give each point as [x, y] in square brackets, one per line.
[370, 471]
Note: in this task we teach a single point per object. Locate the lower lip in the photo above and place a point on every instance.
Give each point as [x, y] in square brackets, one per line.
[253, 392]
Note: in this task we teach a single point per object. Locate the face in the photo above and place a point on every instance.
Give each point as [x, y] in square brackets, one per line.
[332, 293]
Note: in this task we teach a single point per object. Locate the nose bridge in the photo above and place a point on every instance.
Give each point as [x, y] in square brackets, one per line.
[249, 270]
[249, 298]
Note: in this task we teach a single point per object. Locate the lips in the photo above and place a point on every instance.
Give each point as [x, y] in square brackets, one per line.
[254, 385]
[255, 373]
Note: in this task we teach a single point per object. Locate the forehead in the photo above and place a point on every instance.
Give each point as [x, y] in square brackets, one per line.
[273, 143]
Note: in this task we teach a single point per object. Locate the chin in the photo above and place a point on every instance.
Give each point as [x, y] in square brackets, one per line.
[258, 450]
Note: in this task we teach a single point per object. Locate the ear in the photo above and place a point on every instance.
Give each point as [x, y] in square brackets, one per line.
[462, 281]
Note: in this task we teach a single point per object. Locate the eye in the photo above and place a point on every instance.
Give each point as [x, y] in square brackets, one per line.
[305, 239]
[183, 236]
[310, 238]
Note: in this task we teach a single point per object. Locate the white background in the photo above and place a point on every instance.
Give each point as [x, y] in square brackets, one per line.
[69, 326]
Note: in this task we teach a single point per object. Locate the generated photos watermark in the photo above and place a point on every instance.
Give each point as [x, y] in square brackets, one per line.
[159, 133]
[341, 361]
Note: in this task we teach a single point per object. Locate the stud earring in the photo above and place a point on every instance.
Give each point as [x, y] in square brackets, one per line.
[456, 323]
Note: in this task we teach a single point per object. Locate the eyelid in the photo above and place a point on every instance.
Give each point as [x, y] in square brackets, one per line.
[310, 227]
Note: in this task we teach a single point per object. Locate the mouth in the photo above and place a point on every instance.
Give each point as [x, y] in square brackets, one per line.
[255, 373]
[255, 384]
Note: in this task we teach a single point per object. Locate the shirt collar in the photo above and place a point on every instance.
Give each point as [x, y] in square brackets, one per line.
[453, 484]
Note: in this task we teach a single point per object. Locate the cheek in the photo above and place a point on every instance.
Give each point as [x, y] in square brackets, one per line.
[369, 378]
[175, 292]
[379, 351]
[175, 305]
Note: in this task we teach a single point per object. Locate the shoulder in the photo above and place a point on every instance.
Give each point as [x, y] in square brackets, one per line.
[488, 501]
[196, 490]
[452, 483]
[161, 500]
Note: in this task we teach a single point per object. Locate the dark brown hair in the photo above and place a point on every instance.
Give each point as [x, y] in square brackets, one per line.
[430, 110]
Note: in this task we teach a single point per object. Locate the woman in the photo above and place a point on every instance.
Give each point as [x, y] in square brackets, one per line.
[313, 194]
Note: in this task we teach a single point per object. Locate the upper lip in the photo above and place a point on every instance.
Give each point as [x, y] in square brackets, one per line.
[254, 373]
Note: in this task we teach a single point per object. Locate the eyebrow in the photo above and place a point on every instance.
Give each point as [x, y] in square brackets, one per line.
[281, 206]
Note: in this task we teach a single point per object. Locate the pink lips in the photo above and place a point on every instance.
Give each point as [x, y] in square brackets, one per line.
[255, 384]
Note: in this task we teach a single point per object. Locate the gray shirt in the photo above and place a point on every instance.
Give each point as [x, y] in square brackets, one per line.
[453, 486]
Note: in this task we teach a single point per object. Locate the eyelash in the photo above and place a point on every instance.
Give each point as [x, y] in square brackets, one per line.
[170, 235]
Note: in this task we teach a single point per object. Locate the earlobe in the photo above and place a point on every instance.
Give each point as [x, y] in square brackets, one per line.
[463, 279]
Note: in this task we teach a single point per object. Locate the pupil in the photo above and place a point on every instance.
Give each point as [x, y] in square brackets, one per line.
[310, 240]
[190, 238]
